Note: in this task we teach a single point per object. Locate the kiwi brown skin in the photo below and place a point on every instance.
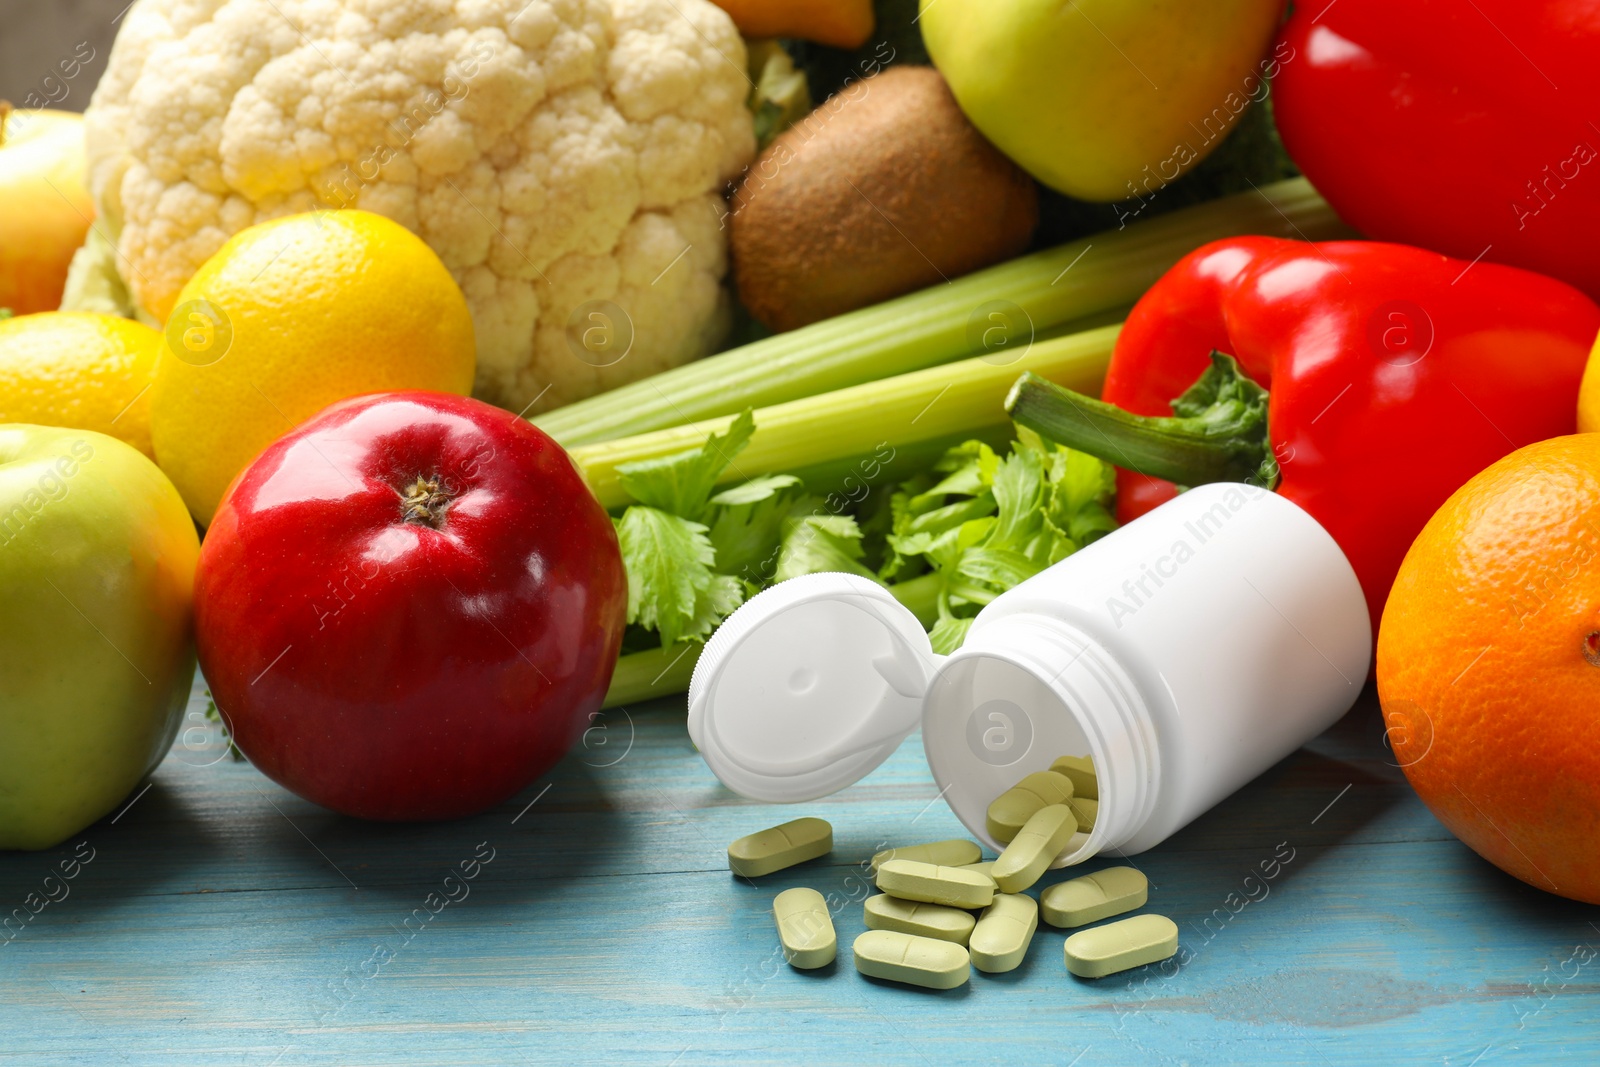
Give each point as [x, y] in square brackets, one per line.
[884, 189]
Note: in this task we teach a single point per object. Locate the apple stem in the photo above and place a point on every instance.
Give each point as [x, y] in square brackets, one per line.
[423, 503]
[5, 116]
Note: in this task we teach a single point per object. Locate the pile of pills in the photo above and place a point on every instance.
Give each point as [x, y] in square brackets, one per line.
[921, 929]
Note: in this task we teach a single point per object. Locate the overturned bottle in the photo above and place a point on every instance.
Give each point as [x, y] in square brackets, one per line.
[1184, 654]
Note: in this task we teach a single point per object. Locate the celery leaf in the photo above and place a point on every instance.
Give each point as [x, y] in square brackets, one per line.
[681, 484]
[671, 588]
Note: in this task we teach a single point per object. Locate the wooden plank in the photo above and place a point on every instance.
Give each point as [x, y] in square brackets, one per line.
[216, 925]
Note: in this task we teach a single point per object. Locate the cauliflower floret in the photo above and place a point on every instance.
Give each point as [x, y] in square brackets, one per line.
[563, 158]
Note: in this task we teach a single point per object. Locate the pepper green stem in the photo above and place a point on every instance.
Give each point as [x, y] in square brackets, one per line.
[1217, 434]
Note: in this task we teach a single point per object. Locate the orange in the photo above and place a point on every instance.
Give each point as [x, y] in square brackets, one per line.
[79, 369]
[1489, 665]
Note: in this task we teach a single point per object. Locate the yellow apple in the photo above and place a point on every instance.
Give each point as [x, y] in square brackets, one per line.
[1103, 99]
[44, 208]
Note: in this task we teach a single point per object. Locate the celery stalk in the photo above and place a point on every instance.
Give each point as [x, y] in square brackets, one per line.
[900, 412]
[657, 673]
[665, 672]
[945, 322]
[829, 434]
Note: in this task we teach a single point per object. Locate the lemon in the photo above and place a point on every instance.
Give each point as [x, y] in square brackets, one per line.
[1589, 393]
[288, 317]
[81, 370]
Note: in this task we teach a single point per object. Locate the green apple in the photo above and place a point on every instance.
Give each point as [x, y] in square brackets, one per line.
[97, 559]
[1103, 99]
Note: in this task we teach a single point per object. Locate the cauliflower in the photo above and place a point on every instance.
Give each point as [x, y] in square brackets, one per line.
[563, 157]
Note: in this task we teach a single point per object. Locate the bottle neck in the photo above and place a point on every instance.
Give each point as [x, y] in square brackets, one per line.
[1050, 690]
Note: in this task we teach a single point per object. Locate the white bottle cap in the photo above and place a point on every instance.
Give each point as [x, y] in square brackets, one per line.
[808, 687]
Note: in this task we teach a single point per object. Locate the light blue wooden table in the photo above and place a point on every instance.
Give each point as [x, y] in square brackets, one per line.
[221, 920]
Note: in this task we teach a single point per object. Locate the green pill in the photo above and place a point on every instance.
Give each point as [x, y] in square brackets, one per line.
[805, 928]
[1121, 946]
[1013, 807]
[779, 847]
[952, 853]
[1042, 838]
[1080, 770]
[932, 884]
[883, 912]
[1003, 933]
[1086, 811]
[923, 961]
[1092, 897]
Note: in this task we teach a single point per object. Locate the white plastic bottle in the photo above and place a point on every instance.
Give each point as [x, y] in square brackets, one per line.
[1186, 653]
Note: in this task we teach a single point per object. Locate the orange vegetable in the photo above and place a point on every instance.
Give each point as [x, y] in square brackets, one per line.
[841, 23]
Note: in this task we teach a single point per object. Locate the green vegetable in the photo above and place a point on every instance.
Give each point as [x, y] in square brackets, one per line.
[211, 712]
[780, 96]
[656, 672]
[666, 551]
[1218, 427]
[983, 523]
[971, 525]
[1030, 297]
[899, 413]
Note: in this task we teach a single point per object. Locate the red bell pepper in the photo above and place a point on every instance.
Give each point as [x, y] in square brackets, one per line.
[1394, 376]
[1467, 128]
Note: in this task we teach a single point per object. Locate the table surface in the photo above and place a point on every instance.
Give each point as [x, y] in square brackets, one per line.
[220, 920]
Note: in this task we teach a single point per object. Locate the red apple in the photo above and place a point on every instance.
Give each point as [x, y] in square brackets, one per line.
[409, 606]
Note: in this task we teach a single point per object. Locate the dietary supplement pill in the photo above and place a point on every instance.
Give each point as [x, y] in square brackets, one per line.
[922, 961]
[1036, 846]
[1092, 897]
[1003, 933]
[805, 928]
[883, 912]
[1080, 771]
[982, 867]
[928, 882]
[1085, 810]
[779, 847]
[951, 853]
[1121, 946]
[1011, 809]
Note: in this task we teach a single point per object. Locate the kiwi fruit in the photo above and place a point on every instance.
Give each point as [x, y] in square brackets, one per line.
[884, 189]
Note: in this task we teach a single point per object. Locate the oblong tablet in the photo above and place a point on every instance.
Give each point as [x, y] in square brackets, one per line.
[1080, 771]
[1121, 945]
[1041, 839]
[951, 853]
[933, 884]
[1085, 810]
[883, 912]
[1003, 933]
[805, 928]
[1092, 897]
[778, 847]
[982, 867]
[1012, 808]
[922, 961]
